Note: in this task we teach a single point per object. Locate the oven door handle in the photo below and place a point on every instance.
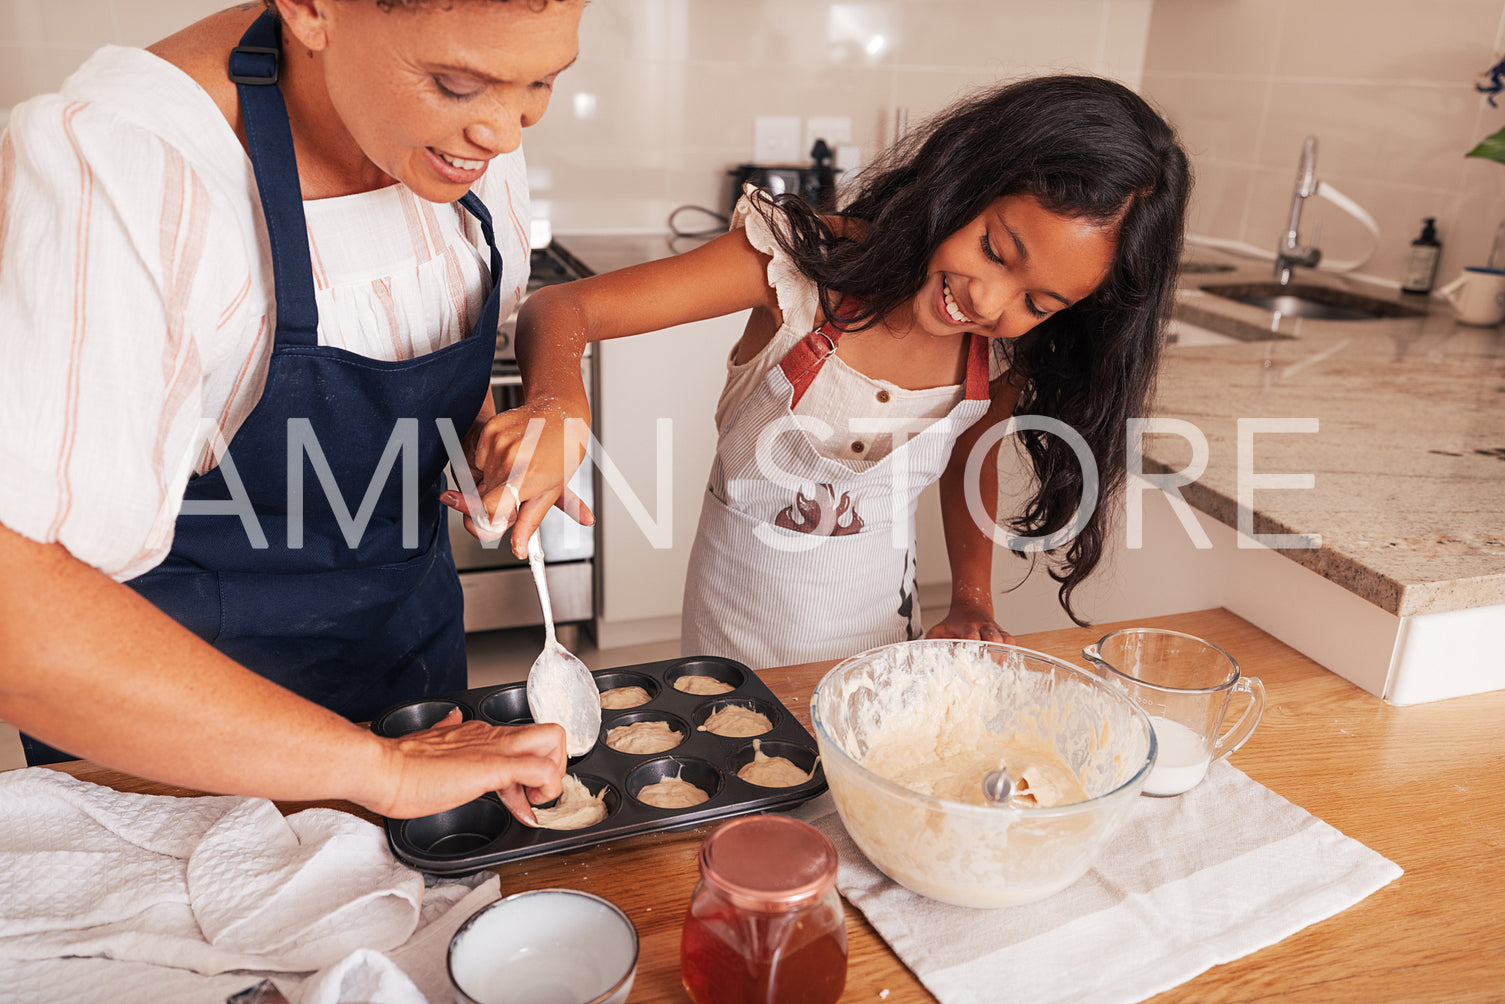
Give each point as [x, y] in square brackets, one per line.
[506, 379]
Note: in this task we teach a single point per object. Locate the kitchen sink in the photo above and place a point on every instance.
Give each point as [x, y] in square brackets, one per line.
[1318, 302]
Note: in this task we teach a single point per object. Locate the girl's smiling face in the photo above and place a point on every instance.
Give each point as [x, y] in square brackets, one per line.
[430, 94]
[1013, 266]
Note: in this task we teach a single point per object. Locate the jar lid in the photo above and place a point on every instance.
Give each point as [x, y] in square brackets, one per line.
[768, 862]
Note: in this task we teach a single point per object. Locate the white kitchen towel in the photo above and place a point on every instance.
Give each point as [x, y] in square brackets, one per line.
[118, 890]
[1188, 883]
[364, 977]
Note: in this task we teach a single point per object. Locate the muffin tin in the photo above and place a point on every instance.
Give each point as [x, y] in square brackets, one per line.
[483, 833]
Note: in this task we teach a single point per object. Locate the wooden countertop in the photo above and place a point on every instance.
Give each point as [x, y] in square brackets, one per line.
[1422, 785]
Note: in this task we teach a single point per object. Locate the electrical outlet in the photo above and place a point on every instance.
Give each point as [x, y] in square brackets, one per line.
[776, 140]
[835, 130]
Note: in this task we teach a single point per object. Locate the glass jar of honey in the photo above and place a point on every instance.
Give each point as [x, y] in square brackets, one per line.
[765, 923]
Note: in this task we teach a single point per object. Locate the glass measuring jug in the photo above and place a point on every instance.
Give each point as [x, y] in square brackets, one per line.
[1185, 685]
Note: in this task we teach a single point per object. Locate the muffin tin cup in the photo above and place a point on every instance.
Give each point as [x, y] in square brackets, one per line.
[483, 833]
[774, 713]
[803, 757]
[415, 716]
[642, 714]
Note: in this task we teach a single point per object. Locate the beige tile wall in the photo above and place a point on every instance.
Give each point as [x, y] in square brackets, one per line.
[674, 86]
[42, 41]
[1386, 86]
[663, 100]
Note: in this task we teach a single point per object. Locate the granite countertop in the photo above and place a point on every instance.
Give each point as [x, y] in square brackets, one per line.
[1409, 456]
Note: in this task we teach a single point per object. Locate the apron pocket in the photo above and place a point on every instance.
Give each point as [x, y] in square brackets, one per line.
[770, 596]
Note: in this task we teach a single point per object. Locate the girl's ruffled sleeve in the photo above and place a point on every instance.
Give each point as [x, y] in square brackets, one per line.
[796, 294]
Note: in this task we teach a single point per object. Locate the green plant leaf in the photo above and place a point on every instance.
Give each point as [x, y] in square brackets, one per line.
[1491, 148]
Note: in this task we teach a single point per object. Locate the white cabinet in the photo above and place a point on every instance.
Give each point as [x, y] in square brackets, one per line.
[1405, 660]
[648, 497]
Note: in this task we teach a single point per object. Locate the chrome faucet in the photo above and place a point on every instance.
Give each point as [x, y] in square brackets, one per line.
[1290, 251]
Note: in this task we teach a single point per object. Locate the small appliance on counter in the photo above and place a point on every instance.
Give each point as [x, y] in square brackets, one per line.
[814, 182]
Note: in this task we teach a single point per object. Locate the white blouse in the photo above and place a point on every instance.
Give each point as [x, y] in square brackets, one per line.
[838, 394]
[137, 303]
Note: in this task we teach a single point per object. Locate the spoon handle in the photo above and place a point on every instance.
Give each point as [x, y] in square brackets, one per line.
[535, 562]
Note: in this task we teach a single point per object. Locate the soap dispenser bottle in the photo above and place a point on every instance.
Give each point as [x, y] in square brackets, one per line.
[1421, 263]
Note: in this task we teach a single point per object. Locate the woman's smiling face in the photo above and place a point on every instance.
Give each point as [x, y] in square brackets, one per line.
[431, 93]
[1011, 267]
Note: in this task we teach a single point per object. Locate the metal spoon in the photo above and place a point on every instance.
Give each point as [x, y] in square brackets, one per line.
[560, 689]
[997, 788]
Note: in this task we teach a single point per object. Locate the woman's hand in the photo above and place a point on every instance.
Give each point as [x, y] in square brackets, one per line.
[970, 621]
[520, 462]
[456, 761]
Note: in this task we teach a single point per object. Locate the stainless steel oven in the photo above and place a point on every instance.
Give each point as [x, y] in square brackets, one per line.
[499, 590]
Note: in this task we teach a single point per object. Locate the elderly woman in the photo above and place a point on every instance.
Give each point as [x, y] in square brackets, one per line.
[250, 281]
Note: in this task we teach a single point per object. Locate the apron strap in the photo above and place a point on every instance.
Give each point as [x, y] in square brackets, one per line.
[802, 362]
[269, 140]
[977, 368]
[491, 313]
[477, 208]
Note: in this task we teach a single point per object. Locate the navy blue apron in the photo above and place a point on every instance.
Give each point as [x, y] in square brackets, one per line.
[355, 629]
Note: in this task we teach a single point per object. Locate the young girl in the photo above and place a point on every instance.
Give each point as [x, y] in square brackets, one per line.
[1015, 256]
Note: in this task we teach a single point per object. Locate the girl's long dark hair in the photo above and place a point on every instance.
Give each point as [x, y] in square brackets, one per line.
[1085, 148]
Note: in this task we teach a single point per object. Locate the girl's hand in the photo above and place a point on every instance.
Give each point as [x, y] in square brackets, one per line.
[455, 762]
[970, 622]
[521, 461]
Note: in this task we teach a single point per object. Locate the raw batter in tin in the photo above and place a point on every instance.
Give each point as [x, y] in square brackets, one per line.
[771, 771]
[576, 808]
[701, 685]
[643, 737]
[672, 793]
[737, 721]
[619, 698]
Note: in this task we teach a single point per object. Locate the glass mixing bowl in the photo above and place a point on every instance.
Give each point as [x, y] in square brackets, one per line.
[948, 695]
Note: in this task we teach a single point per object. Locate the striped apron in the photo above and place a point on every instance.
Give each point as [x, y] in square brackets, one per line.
[805, 558]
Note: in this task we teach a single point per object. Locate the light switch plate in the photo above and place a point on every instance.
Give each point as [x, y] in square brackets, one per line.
[835, 130]
[776, 140]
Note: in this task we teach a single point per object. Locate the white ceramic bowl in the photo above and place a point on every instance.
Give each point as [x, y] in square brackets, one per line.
[547, 946]
[980, 855]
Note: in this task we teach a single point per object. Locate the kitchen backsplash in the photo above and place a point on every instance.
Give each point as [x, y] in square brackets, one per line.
[665, 96]
[1386, 86]
[42, 41]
